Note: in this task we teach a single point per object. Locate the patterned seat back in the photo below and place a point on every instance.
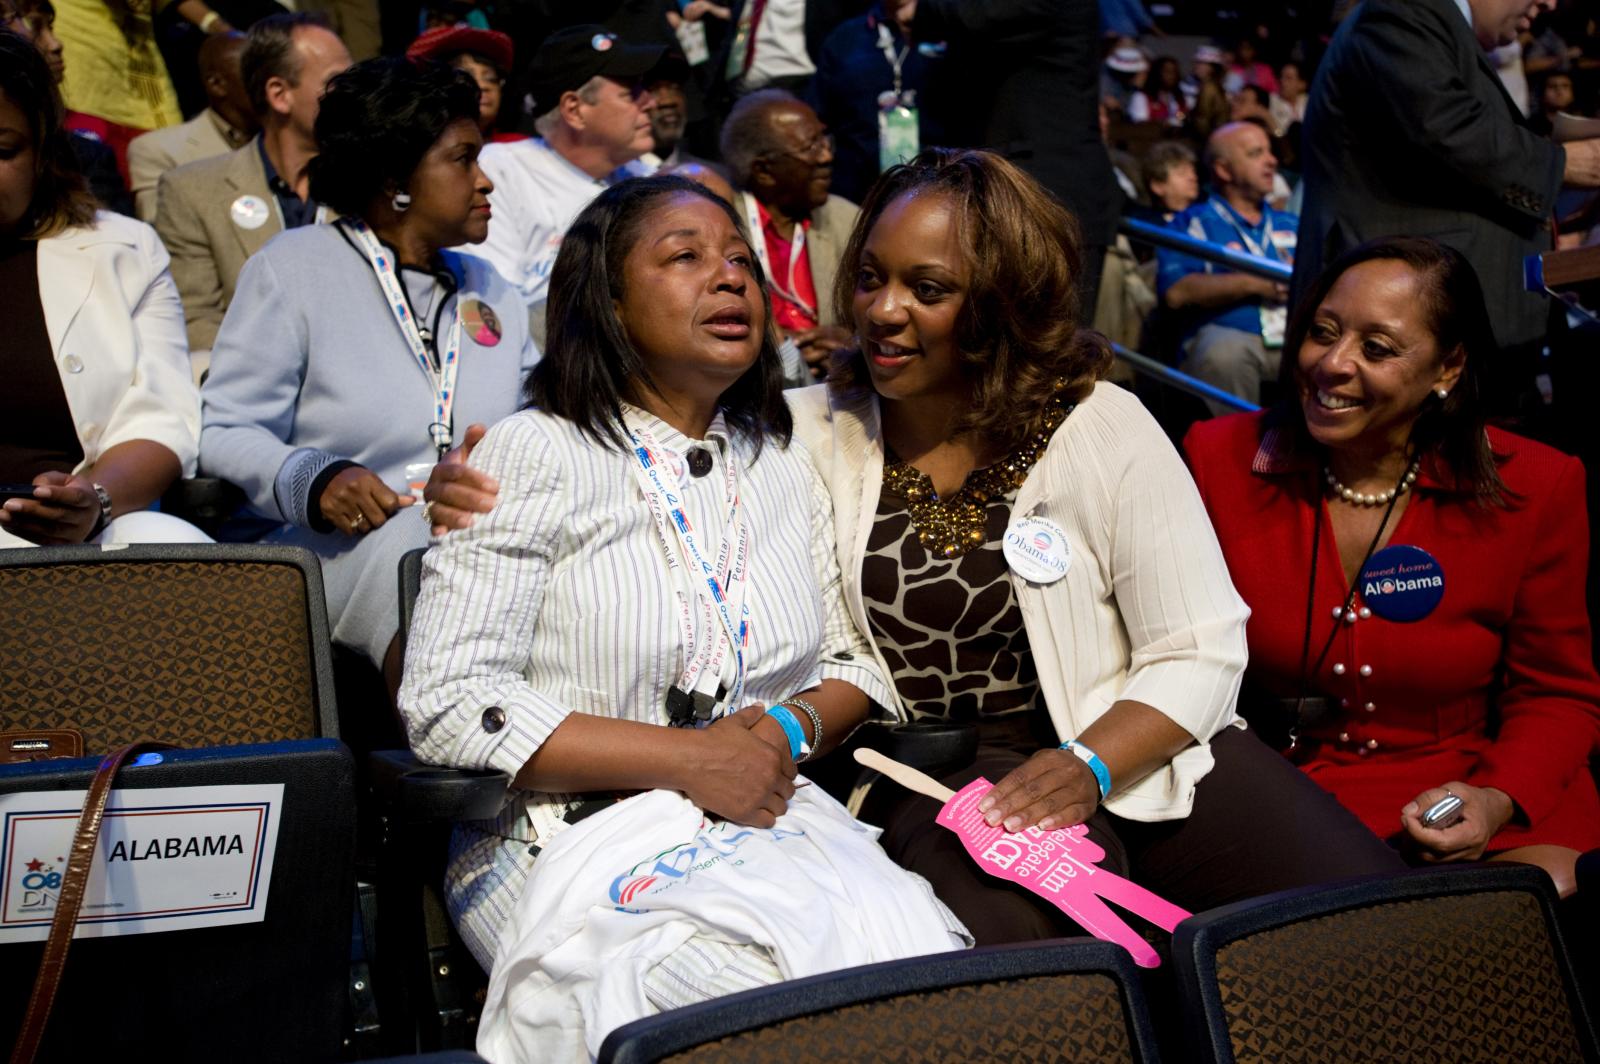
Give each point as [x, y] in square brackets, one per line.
[195, 645]
[1472, 970]
[1014, 1020]
[1073, 999]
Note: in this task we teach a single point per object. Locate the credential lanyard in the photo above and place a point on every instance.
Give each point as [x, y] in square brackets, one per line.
[896, 62]
[441, 374]
[797, 247]
[1250, 242]
[718, 588]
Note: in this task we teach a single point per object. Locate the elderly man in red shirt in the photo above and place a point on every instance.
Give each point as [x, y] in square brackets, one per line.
[781, 158]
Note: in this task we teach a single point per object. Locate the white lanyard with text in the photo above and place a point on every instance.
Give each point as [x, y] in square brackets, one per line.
[797, 247]
[441, 374]
[719, 588]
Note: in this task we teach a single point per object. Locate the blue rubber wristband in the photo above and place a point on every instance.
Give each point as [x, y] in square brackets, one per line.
[791, 729]
[1102, 774]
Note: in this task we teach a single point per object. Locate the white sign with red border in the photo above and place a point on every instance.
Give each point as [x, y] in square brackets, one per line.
[168, 859]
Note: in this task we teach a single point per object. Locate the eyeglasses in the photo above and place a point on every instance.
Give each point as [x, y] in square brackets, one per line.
[815, 150]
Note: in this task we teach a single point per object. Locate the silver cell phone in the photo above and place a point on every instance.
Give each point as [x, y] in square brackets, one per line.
[1443, 813]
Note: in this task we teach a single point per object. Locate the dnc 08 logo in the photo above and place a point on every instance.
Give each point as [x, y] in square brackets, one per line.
[40, 883]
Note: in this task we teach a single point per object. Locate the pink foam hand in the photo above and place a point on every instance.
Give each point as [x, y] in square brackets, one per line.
[1060, 866]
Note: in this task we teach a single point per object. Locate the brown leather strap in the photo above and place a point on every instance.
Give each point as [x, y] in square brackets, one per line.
[70, 901]
[40, 744]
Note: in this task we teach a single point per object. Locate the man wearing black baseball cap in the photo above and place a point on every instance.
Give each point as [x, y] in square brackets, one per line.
[588, 88]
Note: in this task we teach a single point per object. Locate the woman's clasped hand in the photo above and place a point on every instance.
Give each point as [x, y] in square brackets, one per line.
[357, 501]
[739, 775]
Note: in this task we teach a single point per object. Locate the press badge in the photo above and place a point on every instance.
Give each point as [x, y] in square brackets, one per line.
[1274, 323]
[898, 138]
[692, 39]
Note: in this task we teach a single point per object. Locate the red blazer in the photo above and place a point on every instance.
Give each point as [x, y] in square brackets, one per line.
[1510, 638]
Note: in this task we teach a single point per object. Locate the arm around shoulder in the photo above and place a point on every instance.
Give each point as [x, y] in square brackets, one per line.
[465, 698]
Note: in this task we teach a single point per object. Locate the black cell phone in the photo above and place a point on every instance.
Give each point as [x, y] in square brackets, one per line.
[15, 491]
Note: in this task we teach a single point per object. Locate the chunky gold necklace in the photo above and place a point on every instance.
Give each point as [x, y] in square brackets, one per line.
[951, 527]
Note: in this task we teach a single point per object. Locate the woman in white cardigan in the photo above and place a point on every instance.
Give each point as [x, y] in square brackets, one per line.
[99, 415]
[1027, 553]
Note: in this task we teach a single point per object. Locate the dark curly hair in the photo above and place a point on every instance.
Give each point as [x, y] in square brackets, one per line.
[590, 367]
[1017, 329]
[376, 122]
[61, 197]
[1452, 429]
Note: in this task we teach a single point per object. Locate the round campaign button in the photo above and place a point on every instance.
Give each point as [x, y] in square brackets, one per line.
[1402, 583]
[249, 212]
[481, 323]
[1037, 550]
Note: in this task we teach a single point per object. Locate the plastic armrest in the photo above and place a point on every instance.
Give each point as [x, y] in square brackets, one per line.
[416, 793]
[205, 502]
[934, 747]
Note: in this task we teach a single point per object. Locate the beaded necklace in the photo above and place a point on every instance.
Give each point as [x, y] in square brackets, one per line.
[950, 528]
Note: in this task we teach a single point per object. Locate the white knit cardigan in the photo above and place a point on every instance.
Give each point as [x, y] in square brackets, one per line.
[1146, 610]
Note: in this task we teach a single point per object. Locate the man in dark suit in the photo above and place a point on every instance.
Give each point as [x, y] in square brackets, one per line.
[1409, 131]
[1034, 68]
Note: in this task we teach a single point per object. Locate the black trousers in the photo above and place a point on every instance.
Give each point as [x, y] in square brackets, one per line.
[1258, 825]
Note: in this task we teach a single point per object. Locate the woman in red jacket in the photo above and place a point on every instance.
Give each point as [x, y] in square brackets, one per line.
[1416, 580]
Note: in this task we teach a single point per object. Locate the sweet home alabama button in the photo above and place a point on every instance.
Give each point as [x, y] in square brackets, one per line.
[1037, 550]
[1402, 583]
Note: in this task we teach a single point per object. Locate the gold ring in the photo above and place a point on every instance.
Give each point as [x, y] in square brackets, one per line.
[358, 521]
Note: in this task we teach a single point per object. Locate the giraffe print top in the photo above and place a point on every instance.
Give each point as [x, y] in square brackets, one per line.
[949, 628]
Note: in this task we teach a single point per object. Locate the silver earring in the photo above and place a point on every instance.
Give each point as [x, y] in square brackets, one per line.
[400, 201]
[1442, 393]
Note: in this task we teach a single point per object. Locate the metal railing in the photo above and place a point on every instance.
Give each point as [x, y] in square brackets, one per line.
[1161, 236]
[1244, 262]
[1181, 381]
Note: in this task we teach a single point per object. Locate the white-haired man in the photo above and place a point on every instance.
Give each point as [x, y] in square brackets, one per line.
[594, 125]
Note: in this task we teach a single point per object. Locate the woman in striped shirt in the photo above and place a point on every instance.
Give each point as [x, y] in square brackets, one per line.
[556, 636]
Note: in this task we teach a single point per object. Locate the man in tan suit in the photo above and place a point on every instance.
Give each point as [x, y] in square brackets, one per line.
[225, 125]
[214, 214]
[781, 156]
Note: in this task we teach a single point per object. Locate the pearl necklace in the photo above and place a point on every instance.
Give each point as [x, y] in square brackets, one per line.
[1382, 498]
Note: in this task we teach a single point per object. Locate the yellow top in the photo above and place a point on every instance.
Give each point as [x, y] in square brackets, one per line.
[111, 75]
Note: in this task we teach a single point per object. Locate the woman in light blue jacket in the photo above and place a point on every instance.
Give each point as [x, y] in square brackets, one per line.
[352, 349]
